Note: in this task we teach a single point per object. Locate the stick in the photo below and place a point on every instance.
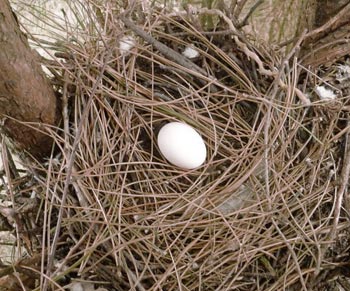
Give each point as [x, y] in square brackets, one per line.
[244, 22]
[344, 178]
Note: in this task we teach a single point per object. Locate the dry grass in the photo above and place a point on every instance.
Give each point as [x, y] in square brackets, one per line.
[263, 213]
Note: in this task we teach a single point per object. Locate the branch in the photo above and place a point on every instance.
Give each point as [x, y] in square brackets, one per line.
[344, 178]
[244, 22]
[334, 20]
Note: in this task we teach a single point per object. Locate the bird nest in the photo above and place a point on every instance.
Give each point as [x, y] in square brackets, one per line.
[264, 212]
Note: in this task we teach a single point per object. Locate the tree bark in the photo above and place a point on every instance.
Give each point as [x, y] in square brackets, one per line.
[27, 99]
[329, 41]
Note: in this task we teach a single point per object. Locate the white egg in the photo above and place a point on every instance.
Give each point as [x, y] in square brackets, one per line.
[181, 145]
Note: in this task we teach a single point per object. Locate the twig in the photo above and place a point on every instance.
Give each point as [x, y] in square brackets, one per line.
[8, 159]
[303, 98]
[233, 7]
[65, 111]
[295, 48]
[344, 178]
[285, 61]
[209, 33]
[287, 42]
[252, 9]
[239, 7]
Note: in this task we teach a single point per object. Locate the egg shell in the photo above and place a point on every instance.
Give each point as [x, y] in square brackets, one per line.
[182, 145]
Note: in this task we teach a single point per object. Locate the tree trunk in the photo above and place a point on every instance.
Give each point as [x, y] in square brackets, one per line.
[27, 99]
[330, 40]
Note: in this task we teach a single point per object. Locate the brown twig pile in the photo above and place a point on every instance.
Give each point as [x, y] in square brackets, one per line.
[265, 211]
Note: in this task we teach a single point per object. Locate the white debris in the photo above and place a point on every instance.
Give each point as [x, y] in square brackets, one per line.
[343, 73]
[308, 161]
[190, 52]
[325, 93]
[33, 195]
[83, 286]
[76, 286]
[126, 44]
[195, 266]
